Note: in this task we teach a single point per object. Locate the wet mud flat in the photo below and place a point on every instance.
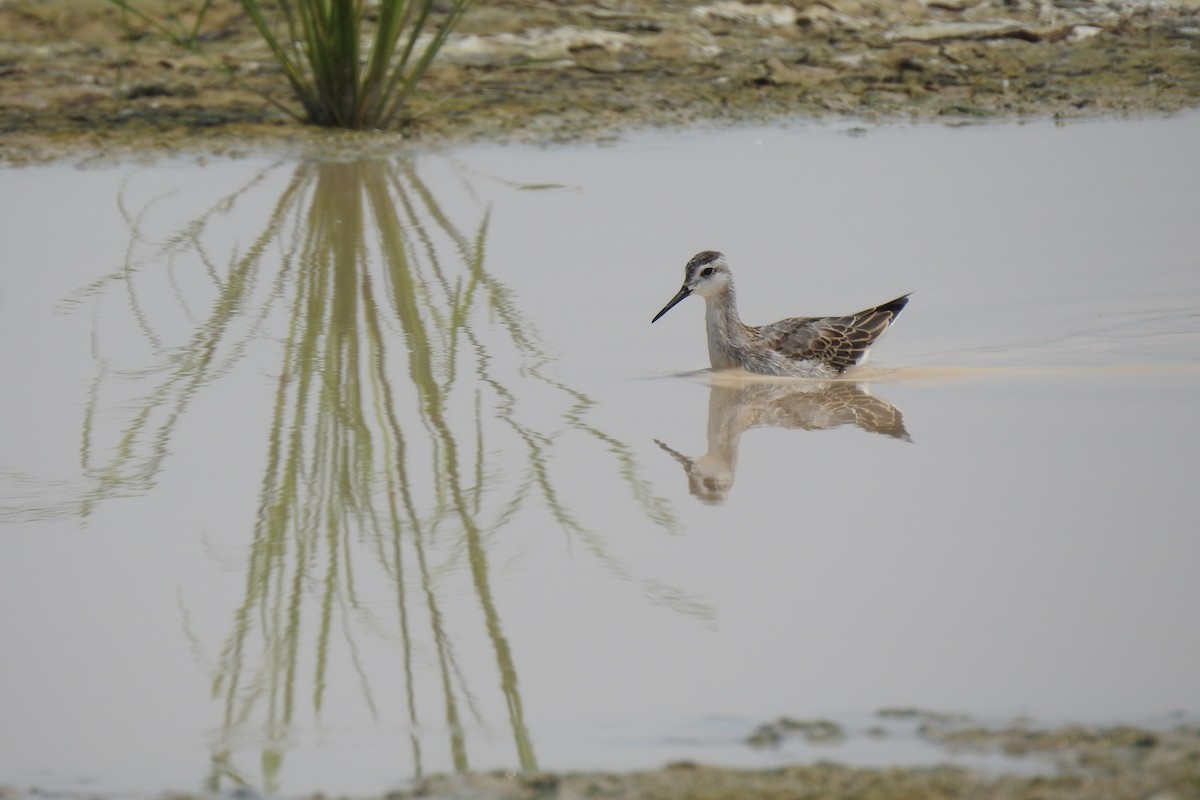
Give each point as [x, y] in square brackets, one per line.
[1075, 762]
[78, 75]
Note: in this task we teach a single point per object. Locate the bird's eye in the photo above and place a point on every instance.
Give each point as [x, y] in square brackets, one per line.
[704, 273]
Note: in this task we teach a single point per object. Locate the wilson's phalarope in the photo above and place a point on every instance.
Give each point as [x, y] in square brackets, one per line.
[808, 347]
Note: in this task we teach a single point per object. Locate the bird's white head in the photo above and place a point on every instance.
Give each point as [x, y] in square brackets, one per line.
[706, 274]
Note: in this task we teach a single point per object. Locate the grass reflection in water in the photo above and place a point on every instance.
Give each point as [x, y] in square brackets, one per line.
[400, 444]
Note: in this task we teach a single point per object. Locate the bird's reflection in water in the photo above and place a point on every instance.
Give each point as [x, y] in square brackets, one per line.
[736, 406]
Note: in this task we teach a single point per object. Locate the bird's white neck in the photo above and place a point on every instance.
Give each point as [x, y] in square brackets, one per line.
[725, 330]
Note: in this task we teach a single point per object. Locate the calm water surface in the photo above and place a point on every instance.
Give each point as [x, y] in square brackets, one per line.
[320, 476]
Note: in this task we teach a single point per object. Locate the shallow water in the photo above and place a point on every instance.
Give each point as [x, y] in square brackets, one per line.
[319, 476]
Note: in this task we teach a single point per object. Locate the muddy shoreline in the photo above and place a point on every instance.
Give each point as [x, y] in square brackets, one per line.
[80, 79]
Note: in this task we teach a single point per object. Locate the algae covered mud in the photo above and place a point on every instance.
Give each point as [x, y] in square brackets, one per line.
[78, 74]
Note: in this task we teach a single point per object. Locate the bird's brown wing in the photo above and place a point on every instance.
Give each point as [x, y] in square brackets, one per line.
[839, 342]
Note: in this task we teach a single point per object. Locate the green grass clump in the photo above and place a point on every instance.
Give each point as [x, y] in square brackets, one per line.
[351, 64]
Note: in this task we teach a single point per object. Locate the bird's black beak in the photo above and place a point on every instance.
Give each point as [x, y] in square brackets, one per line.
[684, 292]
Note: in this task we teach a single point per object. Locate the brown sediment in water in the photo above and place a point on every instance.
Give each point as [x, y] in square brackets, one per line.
[899, 373]
[78, 77]
[862, 374]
